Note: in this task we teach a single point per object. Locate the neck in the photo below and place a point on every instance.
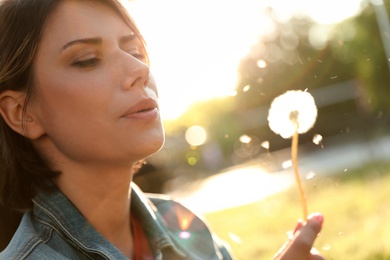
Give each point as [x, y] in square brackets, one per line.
[103, 198]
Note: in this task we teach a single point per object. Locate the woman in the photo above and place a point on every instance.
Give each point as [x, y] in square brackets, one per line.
[79, 110]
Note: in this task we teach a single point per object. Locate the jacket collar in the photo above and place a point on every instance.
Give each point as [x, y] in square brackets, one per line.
[56, 210]
[154, 225]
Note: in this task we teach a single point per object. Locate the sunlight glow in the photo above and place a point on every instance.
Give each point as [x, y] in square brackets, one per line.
[196, 46]
[215, 192]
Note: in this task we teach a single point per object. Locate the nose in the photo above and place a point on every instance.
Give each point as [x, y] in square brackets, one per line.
[135, 73]
[140, 81]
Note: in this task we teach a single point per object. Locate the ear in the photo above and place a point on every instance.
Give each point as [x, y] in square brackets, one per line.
[11, 109]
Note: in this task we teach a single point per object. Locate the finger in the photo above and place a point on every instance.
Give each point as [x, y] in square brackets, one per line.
[291, 236]
[304, 240]
[302, 244]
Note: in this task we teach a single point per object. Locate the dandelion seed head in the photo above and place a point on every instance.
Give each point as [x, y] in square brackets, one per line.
[293, 110]
[294, 117]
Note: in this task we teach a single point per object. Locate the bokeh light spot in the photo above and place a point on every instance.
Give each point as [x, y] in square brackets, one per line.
[261, 64]
[196, 135]
[245, 139]
[192, 161]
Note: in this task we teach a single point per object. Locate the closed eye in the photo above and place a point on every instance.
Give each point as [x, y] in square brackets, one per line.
[89, 63]
[137, 52]
[139, 56]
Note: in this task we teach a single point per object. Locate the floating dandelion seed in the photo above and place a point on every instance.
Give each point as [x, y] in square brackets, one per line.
[235, 238]
[246, 88]
[310, 175]
[286, 164]
[317, 139]
[291, 114]
[265, 145]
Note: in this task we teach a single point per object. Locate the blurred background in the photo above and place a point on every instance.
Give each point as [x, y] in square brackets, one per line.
[218, 66]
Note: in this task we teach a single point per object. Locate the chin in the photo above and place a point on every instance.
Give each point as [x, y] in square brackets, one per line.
[158, 146]
[153, 145]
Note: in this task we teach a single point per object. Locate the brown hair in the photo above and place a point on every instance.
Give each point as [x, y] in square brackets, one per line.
[22, 170]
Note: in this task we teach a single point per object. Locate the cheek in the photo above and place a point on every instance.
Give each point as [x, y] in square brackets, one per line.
[52, 101]
[58, 103]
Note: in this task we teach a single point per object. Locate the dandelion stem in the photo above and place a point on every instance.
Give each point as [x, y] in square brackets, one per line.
[294, 158]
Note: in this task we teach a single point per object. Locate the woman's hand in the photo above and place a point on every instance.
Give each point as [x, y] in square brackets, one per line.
[300, 245]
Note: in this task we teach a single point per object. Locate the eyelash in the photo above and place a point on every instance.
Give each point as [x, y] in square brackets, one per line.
[89, 63]
[93, 62]
[139, 56]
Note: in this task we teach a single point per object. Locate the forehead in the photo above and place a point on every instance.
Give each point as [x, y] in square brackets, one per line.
[84, 18]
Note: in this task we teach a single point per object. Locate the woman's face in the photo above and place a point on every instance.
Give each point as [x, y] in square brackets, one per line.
[94, 98]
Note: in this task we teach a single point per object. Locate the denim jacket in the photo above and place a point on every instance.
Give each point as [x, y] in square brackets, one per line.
[55, 229]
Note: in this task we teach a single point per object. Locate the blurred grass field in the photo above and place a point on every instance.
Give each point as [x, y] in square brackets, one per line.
[356, 206]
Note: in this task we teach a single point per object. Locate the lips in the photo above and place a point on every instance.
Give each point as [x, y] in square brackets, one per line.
[144, 109]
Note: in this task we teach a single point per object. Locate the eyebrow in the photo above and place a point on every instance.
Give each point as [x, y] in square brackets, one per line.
[94, 41]
[128, 38]
[98, 41]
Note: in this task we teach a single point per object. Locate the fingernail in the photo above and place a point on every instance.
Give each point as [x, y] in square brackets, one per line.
[318, 217]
